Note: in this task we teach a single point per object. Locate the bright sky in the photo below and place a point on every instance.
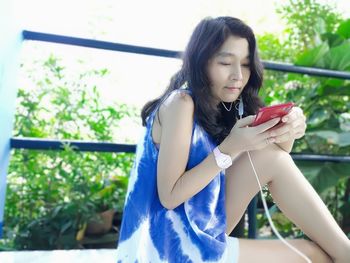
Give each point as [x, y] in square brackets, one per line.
[153, 23]
[157, 23]
[168, 22]
[135, 79]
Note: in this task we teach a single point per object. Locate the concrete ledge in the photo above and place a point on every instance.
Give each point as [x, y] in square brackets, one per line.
[59, 256]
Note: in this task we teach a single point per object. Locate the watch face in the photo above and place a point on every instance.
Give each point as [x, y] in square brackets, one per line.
[226, 161]
[223, 160]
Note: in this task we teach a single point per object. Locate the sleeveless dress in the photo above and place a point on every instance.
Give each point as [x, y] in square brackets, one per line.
[192, 232]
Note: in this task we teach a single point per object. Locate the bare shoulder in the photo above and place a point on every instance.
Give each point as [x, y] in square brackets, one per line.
[178, 103]
[176, 110]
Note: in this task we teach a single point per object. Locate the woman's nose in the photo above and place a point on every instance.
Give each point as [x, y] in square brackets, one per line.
[236, 73]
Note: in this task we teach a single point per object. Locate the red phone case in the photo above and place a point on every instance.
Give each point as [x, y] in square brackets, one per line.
[267, 113]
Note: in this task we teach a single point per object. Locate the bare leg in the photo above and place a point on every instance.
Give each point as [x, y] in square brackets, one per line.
[298, 200]
[274, 251]
[293, 194]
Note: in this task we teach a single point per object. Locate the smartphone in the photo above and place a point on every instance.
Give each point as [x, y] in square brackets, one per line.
[267, 113]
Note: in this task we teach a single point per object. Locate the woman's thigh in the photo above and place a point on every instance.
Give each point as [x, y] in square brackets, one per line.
[241, 184]
[274, 251]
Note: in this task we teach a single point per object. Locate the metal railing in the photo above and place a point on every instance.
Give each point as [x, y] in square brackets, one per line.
[46, 144]
[83, 42]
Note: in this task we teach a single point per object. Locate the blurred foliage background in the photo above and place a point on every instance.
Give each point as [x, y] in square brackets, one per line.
[52, 194]
[316, 36]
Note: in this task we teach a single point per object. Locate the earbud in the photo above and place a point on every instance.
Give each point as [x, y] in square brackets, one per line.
[240, 107]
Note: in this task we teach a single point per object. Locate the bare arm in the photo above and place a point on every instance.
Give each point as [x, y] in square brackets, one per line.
[175, 185]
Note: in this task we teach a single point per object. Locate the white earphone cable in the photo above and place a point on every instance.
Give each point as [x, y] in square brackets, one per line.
[240, 112]
[270, 220]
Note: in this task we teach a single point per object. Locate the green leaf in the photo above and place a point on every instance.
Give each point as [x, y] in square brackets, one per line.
[310, 57]
[335, 82]
[338, 58]
[318, 116]
[341, 139]
[333, 39]
[320, 26]
[345, 209]
[344, 121]
[334, 91]
[344, 29]
[330, 175]
[344, 139]
[56, 211]
[324, 175]
[65, 227]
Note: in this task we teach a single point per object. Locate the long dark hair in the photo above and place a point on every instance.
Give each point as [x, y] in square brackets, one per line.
[207, 38]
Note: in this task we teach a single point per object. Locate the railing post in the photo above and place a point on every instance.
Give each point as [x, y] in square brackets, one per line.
[10, 40]
[252, 222]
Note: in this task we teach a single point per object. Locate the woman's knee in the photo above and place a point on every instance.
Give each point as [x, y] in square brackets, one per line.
[271, 152]
[271, 159]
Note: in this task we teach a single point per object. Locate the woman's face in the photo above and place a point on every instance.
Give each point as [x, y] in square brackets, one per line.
[228, 69]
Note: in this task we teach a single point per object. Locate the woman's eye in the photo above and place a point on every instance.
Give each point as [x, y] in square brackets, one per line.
[245, 65]
[225, 63]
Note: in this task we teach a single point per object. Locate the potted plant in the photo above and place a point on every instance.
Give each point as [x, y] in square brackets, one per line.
[109, 202]
[59, 228]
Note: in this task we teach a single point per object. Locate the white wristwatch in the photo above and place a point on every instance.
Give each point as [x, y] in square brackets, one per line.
[224, 161]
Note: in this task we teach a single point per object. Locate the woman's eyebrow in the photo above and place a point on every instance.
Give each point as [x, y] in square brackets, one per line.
[225, 54]
[229, 54]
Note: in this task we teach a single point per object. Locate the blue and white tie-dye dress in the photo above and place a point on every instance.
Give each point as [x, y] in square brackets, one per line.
[192, 232]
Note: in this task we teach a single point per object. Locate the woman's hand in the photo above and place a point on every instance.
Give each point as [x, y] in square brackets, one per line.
[293, 126]
[244, 138]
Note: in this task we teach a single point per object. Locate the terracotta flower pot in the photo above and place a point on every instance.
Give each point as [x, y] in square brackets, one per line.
[95, 227]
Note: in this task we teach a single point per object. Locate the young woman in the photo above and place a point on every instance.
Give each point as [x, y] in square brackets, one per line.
[192, 180]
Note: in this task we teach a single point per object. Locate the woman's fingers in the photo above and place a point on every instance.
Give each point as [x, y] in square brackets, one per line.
[288, 132]
[264, 141]
[293, 127]
[290, 127]
[294, 113]
[267, 125]
[246, 121]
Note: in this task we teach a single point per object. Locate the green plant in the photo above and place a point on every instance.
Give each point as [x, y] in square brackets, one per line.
[58, 192]
[311, 42]
[57, 229]
[111, 194]
[305, 21]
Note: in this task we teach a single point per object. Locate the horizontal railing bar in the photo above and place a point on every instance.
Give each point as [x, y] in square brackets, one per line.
[320, 158]
[75, 41]
[50, 144]
[284, 67]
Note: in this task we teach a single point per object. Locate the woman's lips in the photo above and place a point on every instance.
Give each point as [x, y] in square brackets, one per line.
[233, 88]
